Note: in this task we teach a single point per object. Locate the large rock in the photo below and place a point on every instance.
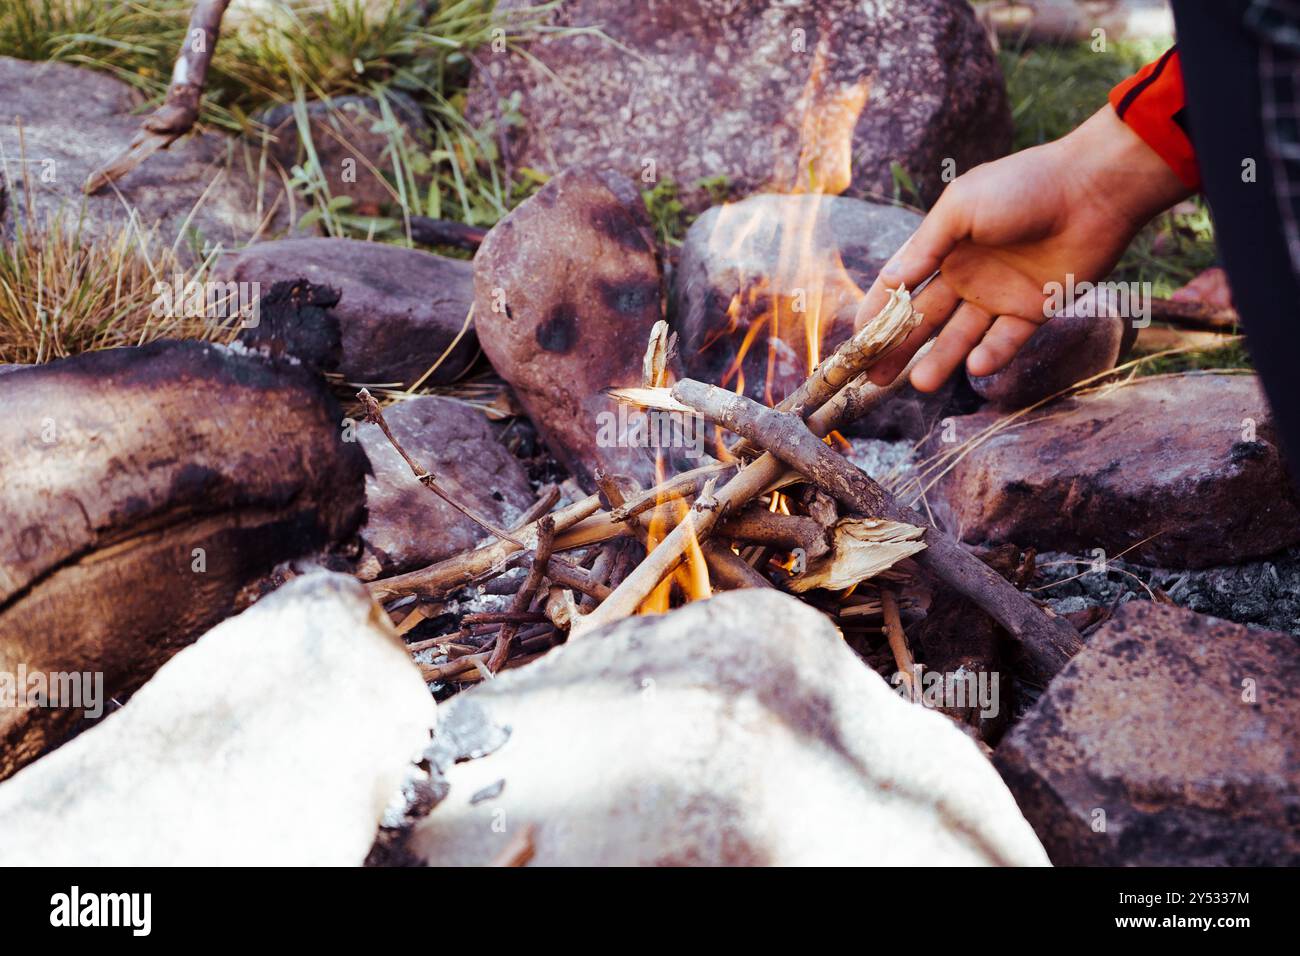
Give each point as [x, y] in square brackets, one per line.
[50, 99]
[738, 730]
[354, 144]
[695, 89]
[144, 488]
[408, 525]
[566, 289]
[1183, 470]
[1069, 348]
[278, 739]
[1172, 739]
[800, 265]
[399, 309]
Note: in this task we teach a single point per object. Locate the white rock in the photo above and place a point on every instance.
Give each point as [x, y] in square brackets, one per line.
[278, 738]
[739, 730]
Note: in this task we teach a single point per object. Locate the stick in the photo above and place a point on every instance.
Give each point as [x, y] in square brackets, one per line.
[375, 414]
[855, 355]
[687, 484]
[524, 597]
[455, 572]
[730, 570]
[1048, 642]
[518, 850]
[178, 112]
[549, 495]
[897, 637]
[784, 531]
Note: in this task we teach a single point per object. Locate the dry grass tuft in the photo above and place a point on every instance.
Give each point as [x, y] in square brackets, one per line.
[63, 292]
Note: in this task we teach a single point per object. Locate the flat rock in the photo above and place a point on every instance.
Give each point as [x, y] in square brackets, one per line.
[735, 731]
[1181, 471]
[277, 739]
[799, 265]
[1170, 740]
[399, 309]
[567, 288]
[698, 89]
[408, 525]
[144, 489]
[208, 170]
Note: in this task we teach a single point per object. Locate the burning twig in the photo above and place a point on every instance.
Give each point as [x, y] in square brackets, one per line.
[855, 355]
[661, 562]
[524, 597]
[176, 116]
[783, 531]
[1049, 642]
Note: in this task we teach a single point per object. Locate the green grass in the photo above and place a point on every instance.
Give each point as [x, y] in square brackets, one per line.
[312, 49]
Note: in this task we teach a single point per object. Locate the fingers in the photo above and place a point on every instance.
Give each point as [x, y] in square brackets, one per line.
[936, 304]
[962, 333]
[943, 227]
[1008, 334]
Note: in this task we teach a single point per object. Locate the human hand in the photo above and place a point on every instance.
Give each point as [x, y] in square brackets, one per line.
[1003, 231]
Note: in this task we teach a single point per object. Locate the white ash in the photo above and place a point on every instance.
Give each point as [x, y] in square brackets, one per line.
[888, 462]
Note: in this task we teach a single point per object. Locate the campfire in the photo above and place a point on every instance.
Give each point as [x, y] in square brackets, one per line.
[785, 510]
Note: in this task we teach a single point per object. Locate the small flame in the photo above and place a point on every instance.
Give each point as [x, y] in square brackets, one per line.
[692, 576]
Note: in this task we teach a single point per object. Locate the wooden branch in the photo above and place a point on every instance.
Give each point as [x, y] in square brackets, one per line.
[659, 563]
[519, 848]
[548, 496]
[1049, 642]
[686, 485]
[784, 531]
[179, 111]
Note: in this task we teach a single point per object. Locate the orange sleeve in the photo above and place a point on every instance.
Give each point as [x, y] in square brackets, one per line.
[1152, 103]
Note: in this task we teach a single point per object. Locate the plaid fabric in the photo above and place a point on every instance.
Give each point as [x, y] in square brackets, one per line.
[1277, 22]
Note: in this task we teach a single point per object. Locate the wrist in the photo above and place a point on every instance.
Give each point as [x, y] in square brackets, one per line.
[1110, 163]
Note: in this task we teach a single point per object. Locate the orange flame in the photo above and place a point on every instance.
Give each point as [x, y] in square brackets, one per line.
[792, 306]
